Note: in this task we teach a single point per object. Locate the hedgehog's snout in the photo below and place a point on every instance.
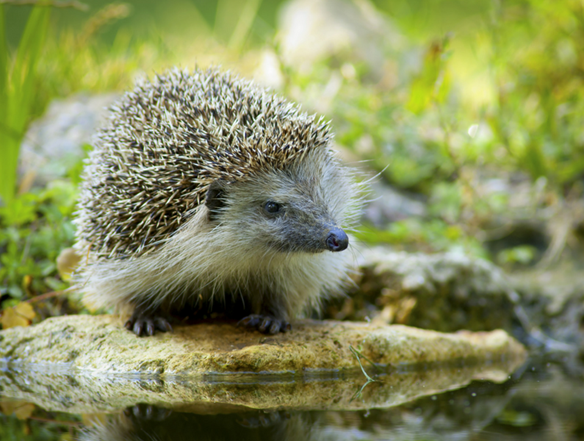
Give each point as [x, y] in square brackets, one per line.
[337, 240]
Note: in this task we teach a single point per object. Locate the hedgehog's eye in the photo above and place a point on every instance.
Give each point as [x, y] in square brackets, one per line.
[272, 207]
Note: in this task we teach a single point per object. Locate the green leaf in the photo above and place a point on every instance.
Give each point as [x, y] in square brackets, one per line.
[571, 171]
[430, 84]
[535, 161]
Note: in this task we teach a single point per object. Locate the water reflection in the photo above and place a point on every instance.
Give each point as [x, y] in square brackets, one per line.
[143, 422]
[83, 392]
[537, 402]
[518, 409]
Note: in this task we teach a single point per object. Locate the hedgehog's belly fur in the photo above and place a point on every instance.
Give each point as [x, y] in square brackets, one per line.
[195, 271]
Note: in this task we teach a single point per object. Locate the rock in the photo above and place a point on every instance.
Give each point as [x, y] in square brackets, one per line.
[102, 344]
[93, 363]
[554, 301]
[313, 30]
[390, 205]
[54, 143]
[444, 291]
[448, 292]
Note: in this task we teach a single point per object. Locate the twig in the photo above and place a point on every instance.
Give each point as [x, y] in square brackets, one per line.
[65, 423]
[358, 355]
[47, 295]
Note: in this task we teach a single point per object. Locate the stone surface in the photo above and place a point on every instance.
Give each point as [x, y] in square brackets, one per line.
[451, 291]
[443, 291]
[389, 204]
[54, 143]
[102, 344]
[554, 302]
[92, 364]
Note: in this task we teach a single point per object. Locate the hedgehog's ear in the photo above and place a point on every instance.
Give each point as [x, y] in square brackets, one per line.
[215, 199]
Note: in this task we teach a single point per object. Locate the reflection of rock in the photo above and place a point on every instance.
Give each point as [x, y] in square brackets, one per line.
[53, 144]
[77, 391]
[532, 402]
[455, 414]
[312, 30]
[97, 364]
[446, 292]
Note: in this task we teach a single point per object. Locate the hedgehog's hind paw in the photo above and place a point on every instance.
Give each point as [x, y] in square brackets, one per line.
[265, 323]
[146, 324]
[147, 412]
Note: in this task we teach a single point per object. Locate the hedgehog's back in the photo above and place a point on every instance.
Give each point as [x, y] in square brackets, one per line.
[166, 141]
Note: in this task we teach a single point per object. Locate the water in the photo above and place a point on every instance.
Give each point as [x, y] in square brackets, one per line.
[539, 401]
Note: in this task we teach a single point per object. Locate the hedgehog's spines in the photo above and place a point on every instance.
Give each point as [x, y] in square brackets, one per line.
[145, 220]
[225, 127]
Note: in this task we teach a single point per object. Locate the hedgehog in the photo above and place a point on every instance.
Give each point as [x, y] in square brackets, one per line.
[206, 194]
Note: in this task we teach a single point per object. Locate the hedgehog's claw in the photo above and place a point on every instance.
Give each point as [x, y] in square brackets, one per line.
[162, 324]
[147, 325]
[265, 323]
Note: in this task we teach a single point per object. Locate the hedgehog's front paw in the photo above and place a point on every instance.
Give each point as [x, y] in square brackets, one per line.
[265, 323]
[142, 323]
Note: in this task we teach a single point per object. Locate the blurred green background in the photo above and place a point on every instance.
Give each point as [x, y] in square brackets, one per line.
[469, 112]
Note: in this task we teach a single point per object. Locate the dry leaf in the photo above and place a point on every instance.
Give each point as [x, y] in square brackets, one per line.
[26, 310]
[21, 409]
[67, 262]
[92, 419]
[19, 315]
[25, 411]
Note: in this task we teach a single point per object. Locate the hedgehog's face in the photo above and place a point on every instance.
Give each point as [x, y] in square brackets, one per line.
[300, 209]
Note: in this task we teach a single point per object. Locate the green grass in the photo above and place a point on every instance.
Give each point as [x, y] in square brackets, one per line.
[18, 75]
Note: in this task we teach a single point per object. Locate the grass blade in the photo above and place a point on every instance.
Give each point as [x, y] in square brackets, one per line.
[3, 64]
[18, 95]
[246, 19]
[4, 105]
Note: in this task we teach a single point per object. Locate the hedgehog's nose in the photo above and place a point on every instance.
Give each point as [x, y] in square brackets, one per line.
[337, 240]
